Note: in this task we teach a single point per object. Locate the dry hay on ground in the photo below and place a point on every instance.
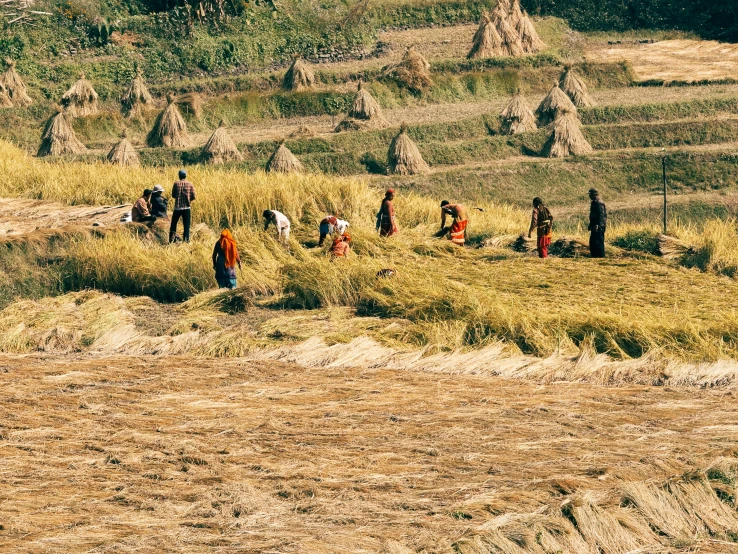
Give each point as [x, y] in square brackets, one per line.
[299, 76]
[283, 161]
[5, 101]
[176, 454]
[532, 43]
[403, 156]
[555, 102]
[21, 216]
[170, 129]
[58, 138]
[517, 117]
[671, 248]
[487, 41]
[124, 153]
[575, 88]
[15, 86]
[81, 99]
[137, 97]
[220, 148]
[413, 72]
[303, 131]
[566, 138]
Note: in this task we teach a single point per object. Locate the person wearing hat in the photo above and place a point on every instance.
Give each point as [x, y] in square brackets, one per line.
[183, 193]
[140, 212]
[159, 203]
[386, 224]
[597, 224]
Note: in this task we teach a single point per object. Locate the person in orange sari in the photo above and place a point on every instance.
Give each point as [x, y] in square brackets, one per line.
[225, 259]
[542, 221]
[341, 248]
[457, 231]
[386, 224]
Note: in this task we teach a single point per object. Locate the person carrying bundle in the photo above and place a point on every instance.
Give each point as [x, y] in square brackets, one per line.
[542, 222]
[280, 221]
[140, 212]
[225, 259]
[386, 224]
[457, 231]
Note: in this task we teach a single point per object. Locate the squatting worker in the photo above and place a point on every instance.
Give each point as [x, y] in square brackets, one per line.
[225, 259]
[281, 223]
[341, 248]
[183, 193]
[386, 224]
[597, 224]
[331, 225]
[457, 231]
[159, 204]
[140, 212]
[542, 222]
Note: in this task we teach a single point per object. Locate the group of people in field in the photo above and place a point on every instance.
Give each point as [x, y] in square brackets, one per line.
[152, 208]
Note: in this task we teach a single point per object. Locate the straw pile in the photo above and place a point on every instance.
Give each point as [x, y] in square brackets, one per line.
[403, 157]
[303, 131]
[170, 129]
[191, 103]
[515, 14]
[81, 99]
[566, 138]
[4, 97]
[575, 88]
[555, 102]
[673, 249]
[137, 98]
[511, 44]
[365, 112]
[220, 148]
[283, 161]
[15, 86]
[58, 138]
[532, 43]
[413, 72]
[517, 117]
[487, 41]
[299, 76]
[123, 153]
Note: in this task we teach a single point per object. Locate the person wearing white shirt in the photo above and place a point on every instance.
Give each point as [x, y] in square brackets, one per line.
[280, 221]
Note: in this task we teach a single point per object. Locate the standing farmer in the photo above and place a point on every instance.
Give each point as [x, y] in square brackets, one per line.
[183, 193]
[225, 259]
[597, 224]
[542, 221]
[280, 222]
[460, 221]
[386, 223]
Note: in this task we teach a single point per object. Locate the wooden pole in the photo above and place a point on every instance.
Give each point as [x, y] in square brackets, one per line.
[663, 166]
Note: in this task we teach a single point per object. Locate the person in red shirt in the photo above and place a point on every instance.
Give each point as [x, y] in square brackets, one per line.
[386, 223]
[341, 248]
[327, 227]
[542, 221]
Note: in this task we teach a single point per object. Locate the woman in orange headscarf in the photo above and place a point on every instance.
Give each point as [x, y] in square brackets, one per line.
[225, 259]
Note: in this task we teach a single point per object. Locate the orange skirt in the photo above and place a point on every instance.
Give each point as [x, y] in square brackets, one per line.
[458, 232]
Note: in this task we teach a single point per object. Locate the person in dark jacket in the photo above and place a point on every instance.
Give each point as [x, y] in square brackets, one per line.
[159, 203]
[225, 260]
[597, 224]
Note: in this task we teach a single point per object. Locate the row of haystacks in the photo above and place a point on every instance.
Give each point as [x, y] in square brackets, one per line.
[506, 31]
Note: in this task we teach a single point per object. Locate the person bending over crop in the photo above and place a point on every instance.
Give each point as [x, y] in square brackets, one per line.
[140, 212]
[225, 259]
[542, 222]
[386, 224]
[183, 193]
[341, 248]
[457, 231]
[280, 221]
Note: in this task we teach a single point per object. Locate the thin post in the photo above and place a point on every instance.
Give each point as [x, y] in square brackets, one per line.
[663, 165]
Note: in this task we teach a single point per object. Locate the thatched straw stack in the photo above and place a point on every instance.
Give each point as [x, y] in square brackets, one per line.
[283, 161]
[532, 43]
[515, 14]
[170, 129]
[575, 88]
[555, 102]
[59, 138]
[364, 113]
[81, 99]
[191, 103]
[413, 72]
[487, 41]
[15, 86]
[299, 76]
[403, 156]
[671, 248]
[220, 148]
[566, 138]
[123, 153]
[511, 44]
[4, 97]
[517, 117]
[137, 98]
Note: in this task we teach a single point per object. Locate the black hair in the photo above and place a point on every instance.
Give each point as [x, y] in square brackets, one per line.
[445, 203]
[267, 213]
[538, 201]
[147, 192]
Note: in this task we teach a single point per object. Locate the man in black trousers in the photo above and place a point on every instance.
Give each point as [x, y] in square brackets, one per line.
[183, 193]
[597, 225]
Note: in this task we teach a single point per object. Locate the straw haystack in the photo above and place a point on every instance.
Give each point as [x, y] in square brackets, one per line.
[575, 88]
[487, 41]
[15, 86]
[403, 157]
[511, 44]
[555, 102]
[566, 138]
[81, 99]
[299, 76]
[137, 98]
[413, 72]
[283, 161]
[123, 153]
[169, 129]
[364, 113]
[191, 103]
[515, 14]
[59, 138]
[220, 148]
[517, 117]
[4, 97]
[532, 43]
[671, 248]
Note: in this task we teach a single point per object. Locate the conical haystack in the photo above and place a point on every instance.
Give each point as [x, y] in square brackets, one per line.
[487, 41]
[124, 153]
[413, 72]
[555, 102]
[283, 161]
[566, 138]
[81, 99]
[59, 138]
[511, 43]
[169, 129]
[137, 98]
[532, 43]
[517, 117]
[299, 76]
[403, 157]
[191, 103]
[515, 14]
[575, 88]
[220, 148]
[4, 97]
[15, 86]
[364, 113]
